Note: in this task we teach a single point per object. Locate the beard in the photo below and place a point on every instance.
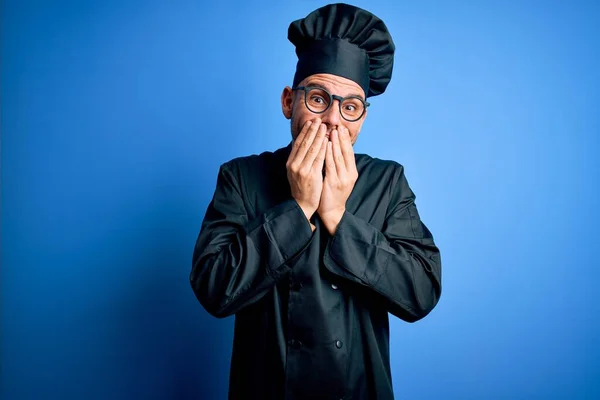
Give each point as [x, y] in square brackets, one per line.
[294, 127]
[292, 123]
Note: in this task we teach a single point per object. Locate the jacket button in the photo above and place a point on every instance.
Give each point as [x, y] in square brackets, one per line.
[295, 286]
[334, 286]
[296, 344]
[338, 344]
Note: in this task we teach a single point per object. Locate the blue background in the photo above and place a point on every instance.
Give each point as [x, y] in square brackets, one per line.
[117, 115]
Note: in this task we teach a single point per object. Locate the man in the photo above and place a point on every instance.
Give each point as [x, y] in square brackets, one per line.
[312, 245]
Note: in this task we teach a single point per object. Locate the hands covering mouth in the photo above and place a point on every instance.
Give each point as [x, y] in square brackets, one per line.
[321, 170]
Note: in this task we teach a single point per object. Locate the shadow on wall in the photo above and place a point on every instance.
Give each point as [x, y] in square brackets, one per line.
[156, 341]
[173, 349]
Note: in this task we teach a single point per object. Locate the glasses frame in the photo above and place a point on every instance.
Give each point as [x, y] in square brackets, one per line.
[332, 97]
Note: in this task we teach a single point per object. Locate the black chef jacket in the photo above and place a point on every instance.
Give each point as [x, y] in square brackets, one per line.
[311, 310]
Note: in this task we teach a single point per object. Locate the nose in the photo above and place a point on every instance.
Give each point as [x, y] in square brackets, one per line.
[332, 116]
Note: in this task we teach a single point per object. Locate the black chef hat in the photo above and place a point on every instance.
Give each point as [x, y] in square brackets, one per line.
[347, 41]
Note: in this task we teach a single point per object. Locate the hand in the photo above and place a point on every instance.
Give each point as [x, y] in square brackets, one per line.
[305, 166]
[340, 176]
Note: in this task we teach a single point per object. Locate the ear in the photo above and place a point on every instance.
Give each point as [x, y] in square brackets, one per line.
[287, 102]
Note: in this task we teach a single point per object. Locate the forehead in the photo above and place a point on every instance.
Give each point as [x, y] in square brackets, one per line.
[334, 84]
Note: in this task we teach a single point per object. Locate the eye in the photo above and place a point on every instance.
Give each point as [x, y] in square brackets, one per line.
[317, 99]
[352, 107]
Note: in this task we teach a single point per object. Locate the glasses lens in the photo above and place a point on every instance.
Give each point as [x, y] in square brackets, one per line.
[352, 108]
[317, 100]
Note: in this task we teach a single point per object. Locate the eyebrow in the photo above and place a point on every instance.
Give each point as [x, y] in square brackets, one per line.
[309, 84]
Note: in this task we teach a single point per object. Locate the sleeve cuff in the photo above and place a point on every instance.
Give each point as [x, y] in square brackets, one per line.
[353, 252]
[283, 234]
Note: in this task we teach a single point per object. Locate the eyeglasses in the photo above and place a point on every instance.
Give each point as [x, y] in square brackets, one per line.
[318, 100]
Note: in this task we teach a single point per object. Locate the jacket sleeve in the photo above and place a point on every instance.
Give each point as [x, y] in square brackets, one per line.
[236, 261]
[399, 263]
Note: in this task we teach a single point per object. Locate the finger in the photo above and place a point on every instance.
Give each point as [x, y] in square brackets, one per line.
[347, 150]
[320, 159]
[338, 157]
[330, 168]
[315, 146]
[304, 145]
[299, 139]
